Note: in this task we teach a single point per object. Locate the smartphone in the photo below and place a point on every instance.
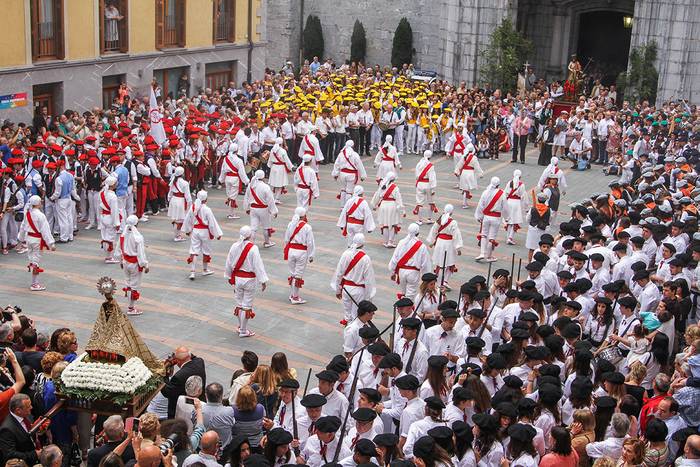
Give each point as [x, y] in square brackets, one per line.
[131, 424]
[189, 400]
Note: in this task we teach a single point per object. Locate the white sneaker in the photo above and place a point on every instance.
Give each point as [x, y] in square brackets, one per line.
[143, 219]
[133, 311]
[233, 216]
[112, 261]
[179, 239]
[89, 227]
[37, 288]
[297, 301]
[419, 222]
[491, 259]
[429, 221]
[269, 244]
[479, 258]
[246, 334]
[191, 276]
[207, 272]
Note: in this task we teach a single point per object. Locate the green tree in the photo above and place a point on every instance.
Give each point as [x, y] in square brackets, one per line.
[402, 47]
[358, 43]
[641, 79]
[504, 56]
[313, 38]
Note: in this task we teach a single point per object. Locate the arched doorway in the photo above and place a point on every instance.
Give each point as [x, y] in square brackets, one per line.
[604, 43]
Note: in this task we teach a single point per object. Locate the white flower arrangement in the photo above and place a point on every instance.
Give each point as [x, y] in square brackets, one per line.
[109, 377]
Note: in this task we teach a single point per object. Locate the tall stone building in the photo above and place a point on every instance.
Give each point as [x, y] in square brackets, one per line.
[448, 34]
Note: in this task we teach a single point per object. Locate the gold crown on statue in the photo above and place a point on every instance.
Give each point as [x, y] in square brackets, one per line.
[106, 285]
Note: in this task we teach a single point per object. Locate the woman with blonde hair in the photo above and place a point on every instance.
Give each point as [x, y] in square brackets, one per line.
[582, 434]
[249, 416]
[68, 345]
[263, 383]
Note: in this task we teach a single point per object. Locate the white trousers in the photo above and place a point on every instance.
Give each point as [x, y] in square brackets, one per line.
[64, 216]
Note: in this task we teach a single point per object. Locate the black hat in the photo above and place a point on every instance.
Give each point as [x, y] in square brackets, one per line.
[518, 333]
[279, 436]
[328, 375]
[402, 302]
[676, 262]
[564, 274]
[670, 246]
[511, 293]
[485, 421]
[578, 256]
[328, 424]
[614, 377]
[371, 394]
[571, 287]
[544, 330]
[289, 384]
[535, 352]
[529, 316]
[571, 331]
[440, 432]
[386, 439]
[467, 288]
[549, 393]
[554, 343]
[424, 447]
[500, 272]
[603, 299]
[612, 287]
[339, 364]
[477, 313]
[640, 275]
[546, 239]
[561, 321]
[478, 279]
[534, 266]
[461, 393]
[605, 402]
[550, 369]
[449, 313]
[482, 295]
[407, 382]
[584, 285]
[507, 409]
[505, 348]
[581, 388]
[540, 257]
[475, 369]
[364, 414]
[637, 240]
[378, 348]
[604, 366]
[596, 257]
[619, 247]
[521, 432]
[256, 460]
[474, 342]
[496, 361]
[313, 400]
[365, 306]
[628, 302]
[437, 361]
[368, 332]
[573, 304]
[524, 295]
[434, 403]
[410, 323]
[428, 277]
[390, 360]
[365, 447]
[513, 381]
[525, 405]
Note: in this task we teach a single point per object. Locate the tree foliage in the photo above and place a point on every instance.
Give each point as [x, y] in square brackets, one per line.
[313, 38]
[641, 79]
[505, 55]
[358, 43]
[402, 46]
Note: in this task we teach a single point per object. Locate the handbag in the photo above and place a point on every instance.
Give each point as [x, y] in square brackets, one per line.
[76, 457]
[19, 216]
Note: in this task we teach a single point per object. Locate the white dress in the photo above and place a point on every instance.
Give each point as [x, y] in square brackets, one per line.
[179, 199]
[388, 205]
[280, 166]
[516, 203]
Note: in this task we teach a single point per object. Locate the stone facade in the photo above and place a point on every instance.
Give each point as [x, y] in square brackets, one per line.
[447, 34]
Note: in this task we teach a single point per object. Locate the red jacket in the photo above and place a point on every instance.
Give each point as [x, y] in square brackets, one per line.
[648, 408]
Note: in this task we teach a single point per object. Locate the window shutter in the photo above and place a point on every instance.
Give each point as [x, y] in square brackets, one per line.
[181, 11]
[58, 29]
[35, 28]
[231, 19]
[102, 26]
[215, 4]
[160, 19]
[123, 26]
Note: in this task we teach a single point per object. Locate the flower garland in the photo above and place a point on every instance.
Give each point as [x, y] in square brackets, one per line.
[108, 377]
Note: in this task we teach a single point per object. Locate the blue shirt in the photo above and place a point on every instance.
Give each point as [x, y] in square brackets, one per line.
[122, 181]
[314, 67]
[67, 184]
[6, 153]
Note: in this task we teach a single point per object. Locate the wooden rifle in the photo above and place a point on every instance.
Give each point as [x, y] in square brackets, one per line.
[351, 398]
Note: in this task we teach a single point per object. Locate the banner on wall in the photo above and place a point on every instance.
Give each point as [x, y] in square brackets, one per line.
[10, 101]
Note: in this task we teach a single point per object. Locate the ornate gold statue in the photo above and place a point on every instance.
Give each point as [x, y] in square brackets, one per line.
[572, 86]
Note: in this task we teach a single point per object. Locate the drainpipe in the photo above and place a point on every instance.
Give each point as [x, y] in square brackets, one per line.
[301, 33]
[249, 75]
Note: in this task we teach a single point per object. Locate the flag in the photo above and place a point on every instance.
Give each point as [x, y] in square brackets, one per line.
[154, 115]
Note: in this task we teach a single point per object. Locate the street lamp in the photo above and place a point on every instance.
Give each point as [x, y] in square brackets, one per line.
[627, 22]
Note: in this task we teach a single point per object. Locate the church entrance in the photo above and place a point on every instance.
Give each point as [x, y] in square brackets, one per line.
[603, 44]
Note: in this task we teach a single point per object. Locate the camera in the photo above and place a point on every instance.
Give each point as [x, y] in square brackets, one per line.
[169, 443]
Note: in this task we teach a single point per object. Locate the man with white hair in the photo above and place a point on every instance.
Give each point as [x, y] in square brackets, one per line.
[245, 270]
[389, 206]
[134, 262]
[426, 183]
[179, 201]
[411, 259]
[298, 250]
[517, 203]
[110, 218]
[305, 183]
[387, 159]
[348, 170]
[202, 227]
[553, 170]
[446, 240]
[259, 202]
[353, 280]
[489, 213]
[280, 166]
[36, 233]
[356, 215]
[233, 177]
[114, 434]
[64, 196]
[467, 170]
[310, 146]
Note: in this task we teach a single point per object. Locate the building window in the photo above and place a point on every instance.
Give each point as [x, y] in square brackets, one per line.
[114, 26]
[218, 75]
[47, 96]
[47, 29]
[172, 82]
[170, 23]
[224, 20]
[112, 98]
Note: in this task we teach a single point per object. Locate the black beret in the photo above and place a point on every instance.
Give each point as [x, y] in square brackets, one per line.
[365, 447]
[546, 239]
[475, 342]
[521, 432]
[496, 361]
[279, 436]
[535, 352]
[364, 414]
[619, 247]
[410, 323]
[313, 400]
[578, 256]
[371, 394]
[338, 364]
[289, 384]
[501, 272]
[386, 439]
[378, 348]
[477, 313]
[390, 360]
[403, 301]
[614, 377]
[571, 287]
[449, 313]
[467, 288]
[486, 422]
[482, 295]
[475, 369]
[447, 304]
[628, 302]
[596, 257]
[540, 257]
[462, 429]
[612, 287]
[573, 304]
[640, 275]
[524, 295]
[407, 382]
[549, 393]
[564, 274]
[604, 366]
[513, 381]
[544, 330]
[526, 404]
[505, 348]
[365, 306]
[461, 393]
[581, 388]
[605, 402]
[424, 447]
[437, 361]
[534, 266]
[550, 369]
[637, 240]
[428, 277]
[440, 432]
[478, 279]
[571, 331]
[529, 316]
[603, 299]
[518, 333]
[530, 287]
[368, 332]
[328, 424]
[328, 375]
[507, 409]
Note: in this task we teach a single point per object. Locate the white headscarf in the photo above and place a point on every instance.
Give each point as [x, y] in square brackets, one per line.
[109, 181]
[130, 228]
[35, 200]
[447, 210]
[516, 177]
[357, 191]
[179, 172]
[358, 241]
[257, 177]
[299, 212]
[388, 178]
[427, 154]
[201, 199]
[387, 141]
[245, 232]
[413, 230]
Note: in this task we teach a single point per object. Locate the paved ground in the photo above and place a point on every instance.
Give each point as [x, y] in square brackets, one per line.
[199, 314]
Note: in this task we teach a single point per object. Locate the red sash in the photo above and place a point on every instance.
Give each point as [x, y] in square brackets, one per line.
[304, 185]
[353, 169]
[289, 244]
[237, 271]
[492, 203]
[279, 162]
[386, 156]
[467, 160]
[105, 205]
[258, 202]
[234, 172]
[127, 258]
[402, 264]
[36, 233]
[179, 193]
[352, 220]
[441, 235]
[459, 144]
[356, 259]
[512, 194]
[421, 177]
[388, 193]
[310, 149]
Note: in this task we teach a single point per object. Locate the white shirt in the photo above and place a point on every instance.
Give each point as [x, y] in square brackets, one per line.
[610, 447]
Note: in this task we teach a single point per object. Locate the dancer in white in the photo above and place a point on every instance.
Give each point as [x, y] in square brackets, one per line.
[36, 233]
[468, 169]
[110, 218]
[489, 213]
[356, 215]
[446, 240]
[353, 280]
[233, 177]
[259, 202]
[134, 262]
[426, 183]
[298, 250]
[245, 271]
[305, 183]
[348, 170]
[458, 145]
[410, 261]
[280, 166]
[202, 227]
[517, 204]
[179, 202]
[387, 159]
[553, 170]
[310, 147]
[390, 209]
